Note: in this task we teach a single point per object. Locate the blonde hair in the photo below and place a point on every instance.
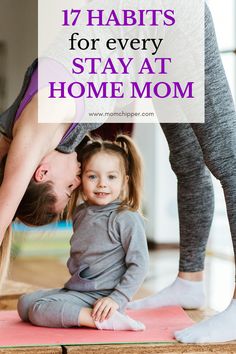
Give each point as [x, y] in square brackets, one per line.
[126, 150]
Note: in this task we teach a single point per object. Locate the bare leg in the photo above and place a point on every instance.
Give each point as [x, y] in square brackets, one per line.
[85, 318]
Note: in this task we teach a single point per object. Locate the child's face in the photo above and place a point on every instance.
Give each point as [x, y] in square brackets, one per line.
[102, 179]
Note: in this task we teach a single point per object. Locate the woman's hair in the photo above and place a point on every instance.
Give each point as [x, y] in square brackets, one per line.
[36, 208]
[131, 161]
[37, 205]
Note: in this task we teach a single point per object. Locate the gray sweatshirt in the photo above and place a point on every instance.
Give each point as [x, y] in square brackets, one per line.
[108, 251]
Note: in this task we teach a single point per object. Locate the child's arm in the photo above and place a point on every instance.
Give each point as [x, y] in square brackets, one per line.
[132, 235]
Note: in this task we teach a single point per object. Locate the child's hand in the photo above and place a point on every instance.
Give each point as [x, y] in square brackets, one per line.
[103, 309]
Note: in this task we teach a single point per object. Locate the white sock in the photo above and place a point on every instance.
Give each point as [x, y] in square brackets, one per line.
[185, 293]
[120, 322]
[219, 328]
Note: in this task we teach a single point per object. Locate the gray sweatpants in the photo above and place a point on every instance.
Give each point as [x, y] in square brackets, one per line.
[197, 148]
[55, 308]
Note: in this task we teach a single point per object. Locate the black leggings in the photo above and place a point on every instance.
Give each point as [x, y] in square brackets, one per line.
[196, 149]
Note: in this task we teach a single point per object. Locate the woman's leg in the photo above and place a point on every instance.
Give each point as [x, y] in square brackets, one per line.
[195, 207]
[217, 138]
[195, 197]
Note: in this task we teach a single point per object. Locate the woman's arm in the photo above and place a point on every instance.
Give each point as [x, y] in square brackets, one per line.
[4, 146]
[31, 142]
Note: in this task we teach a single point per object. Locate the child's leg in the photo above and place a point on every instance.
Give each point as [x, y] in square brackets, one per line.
[85, 319]
[59, 310]
[64, 308]
[117, 321]
[26, 301]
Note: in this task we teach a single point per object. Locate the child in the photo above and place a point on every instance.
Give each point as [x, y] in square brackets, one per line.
[109, 257]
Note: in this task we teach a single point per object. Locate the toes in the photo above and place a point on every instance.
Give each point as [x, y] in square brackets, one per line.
[186, 336]
[182, 336]
[178, 334]
[191, 335]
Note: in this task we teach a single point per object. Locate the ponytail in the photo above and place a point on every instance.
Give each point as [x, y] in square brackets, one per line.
[134, 171]
[5, 251]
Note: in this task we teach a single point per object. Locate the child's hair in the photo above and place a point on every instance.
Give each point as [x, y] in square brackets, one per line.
[126, 150]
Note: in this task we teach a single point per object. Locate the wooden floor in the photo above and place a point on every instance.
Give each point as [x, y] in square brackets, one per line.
[46, 273]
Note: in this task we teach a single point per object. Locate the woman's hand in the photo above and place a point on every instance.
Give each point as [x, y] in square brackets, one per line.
[103, 309]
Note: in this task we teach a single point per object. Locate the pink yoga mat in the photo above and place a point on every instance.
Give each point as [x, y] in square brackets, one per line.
[160, 326]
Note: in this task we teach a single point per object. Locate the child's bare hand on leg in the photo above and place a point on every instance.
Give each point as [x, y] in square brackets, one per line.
[103, 309]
